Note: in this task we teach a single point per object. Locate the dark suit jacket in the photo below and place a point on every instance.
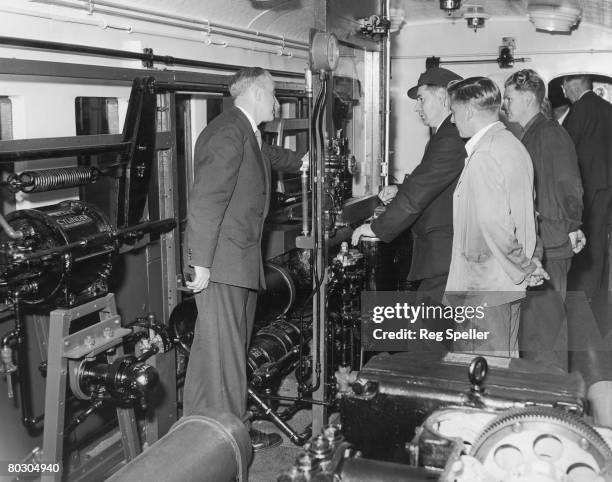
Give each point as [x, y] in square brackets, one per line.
[424, 202]
[229, 199]
[557, 184]
[589, 123]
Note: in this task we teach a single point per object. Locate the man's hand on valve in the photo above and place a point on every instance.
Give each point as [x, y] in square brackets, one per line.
[363, 230]
[387, 194]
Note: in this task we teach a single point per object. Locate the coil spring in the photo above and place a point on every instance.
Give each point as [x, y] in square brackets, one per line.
[52, 179]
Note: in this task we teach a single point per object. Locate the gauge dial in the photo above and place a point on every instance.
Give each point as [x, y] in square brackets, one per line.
[324, 52]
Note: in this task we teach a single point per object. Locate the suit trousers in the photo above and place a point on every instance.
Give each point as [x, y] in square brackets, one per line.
[431, 293]
[543, 331]
[217, 368]
[588, 267]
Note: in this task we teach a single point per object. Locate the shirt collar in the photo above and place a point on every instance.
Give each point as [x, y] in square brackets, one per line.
[441, 122]
[248, 116]
[469, 146]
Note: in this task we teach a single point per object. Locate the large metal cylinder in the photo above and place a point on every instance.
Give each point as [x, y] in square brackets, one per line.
[200, 448]
[278, 298]
[378, 261]
[82, 272]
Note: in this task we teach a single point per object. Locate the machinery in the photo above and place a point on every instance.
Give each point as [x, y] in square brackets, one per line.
[56, 276]
[428, 424]
[97, 327]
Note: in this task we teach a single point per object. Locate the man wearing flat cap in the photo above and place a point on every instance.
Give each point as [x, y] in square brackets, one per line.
[424, 201]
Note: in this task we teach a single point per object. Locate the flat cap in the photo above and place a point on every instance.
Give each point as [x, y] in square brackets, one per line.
[434, 76]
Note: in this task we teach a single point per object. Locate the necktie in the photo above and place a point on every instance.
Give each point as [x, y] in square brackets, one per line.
[258, 137]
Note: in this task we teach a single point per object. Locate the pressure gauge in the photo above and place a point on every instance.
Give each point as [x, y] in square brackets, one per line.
[324, 52]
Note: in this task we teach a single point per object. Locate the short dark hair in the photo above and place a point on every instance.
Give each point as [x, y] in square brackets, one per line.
[528, 80]
[480, 92]
[244, 78]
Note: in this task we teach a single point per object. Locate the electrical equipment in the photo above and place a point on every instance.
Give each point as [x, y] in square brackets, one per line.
[62, 253]
[506, 53]
[345, 285]
[449, 6]
[394, 394]
[338, 180]
[475, 16]
[324, 52]
[374, 27]
[38, 268]
[491, 431]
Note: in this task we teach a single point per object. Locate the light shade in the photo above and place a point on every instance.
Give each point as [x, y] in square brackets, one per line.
[553, 18]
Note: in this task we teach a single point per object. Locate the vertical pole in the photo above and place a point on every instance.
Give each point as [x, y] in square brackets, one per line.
[319, 412]
[55, 393]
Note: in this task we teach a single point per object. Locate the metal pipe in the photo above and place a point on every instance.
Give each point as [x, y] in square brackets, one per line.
[203, 24]
[387, 101]
[309, 401]
[213, 88]
[27, 418]
[297, 439]
[483, 61]
[311, 155]
[7, 228]
[126, 54]
[103, 24]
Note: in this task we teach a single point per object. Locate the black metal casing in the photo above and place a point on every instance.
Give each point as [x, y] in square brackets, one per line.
[398, 392]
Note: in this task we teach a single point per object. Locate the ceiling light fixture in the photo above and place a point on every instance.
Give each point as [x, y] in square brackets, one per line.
[553, 18]
[450, 5]
[475, 16]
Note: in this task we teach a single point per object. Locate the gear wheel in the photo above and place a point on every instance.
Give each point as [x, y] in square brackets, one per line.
[543, 444]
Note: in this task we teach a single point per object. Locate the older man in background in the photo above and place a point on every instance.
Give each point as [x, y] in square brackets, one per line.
[589, 124]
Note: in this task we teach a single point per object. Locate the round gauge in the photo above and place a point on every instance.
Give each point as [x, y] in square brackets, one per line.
[324, 52]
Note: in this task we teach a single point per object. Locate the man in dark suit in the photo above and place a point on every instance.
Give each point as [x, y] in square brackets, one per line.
[227, 207]
[424, 201]
[589, 124]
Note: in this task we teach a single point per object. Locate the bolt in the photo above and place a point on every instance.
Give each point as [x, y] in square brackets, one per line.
[517, 427]
[89, 341]
[584, 444]
[107, 332]
[67, 343]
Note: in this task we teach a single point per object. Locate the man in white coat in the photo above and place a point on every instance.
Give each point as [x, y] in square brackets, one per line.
[494, 240]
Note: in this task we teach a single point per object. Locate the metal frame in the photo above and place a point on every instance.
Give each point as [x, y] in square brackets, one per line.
[66, 71]
[60, 350]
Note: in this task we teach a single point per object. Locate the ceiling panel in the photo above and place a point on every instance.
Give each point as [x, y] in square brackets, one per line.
[294, 18]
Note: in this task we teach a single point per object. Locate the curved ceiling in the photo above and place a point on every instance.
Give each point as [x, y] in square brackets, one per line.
[291, 18]
[598, 12]
[294, 18]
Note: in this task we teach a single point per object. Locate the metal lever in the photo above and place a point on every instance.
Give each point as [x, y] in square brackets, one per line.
[477, 373]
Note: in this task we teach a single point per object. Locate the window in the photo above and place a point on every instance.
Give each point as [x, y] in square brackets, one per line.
[98, 115]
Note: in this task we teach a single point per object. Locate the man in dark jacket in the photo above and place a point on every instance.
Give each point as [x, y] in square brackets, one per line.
[424, 201]
[543, 334]
[589, 124]
[228, 203]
